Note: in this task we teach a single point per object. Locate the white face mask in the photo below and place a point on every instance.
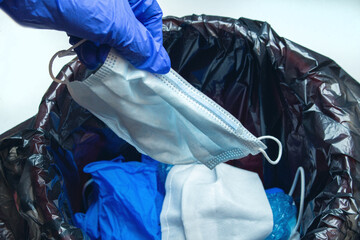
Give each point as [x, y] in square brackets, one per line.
[162, 116]
[223, 203]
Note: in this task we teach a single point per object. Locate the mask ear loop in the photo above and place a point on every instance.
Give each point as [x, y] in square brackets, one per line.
[300, 171]
[86, 185]
[277, 160]
[60, 54]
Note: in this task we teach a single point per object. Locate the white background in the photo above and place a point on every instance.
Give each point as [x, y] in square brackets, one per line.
[330, 27]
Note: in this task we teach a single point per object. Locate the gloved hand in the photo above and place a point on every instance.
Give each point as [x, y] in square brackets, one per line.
[132, 27]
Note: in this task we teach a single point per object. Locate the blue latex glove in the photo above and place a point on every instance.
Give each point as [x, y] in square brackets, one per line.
[128, 203]
[132, 27]
[284, 214]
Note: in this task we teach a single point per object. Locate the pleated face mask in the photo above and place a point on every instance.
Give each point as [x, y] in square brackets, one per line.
[162, 116]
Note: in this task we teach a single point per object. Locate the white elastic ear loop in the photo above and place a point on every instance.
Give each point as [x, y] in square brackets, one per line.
[86, 185]
[300, 171]
[276, 161]
[60, 54]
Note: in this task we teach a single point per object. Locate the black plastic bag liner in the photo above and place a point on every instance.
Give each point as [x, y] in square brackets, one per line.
[272, 85]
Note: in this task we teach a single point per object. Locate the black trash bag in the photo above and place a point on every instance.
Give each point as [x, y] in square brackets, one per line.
[272, 85]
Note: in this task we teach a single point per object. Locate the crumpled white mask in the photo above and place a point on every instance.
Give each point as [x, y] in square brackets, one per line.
[224, 203]
[162, 116]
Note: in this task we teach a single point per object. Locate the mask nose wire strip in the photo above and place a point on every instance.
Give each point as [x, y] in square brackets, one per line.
[60, 54]
[300, 171]
[276, 161]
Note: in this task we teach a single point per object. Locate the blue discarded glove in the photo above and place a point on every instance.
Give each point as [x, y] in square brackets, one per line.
[284, 214]
[132, 27]
[128, 204]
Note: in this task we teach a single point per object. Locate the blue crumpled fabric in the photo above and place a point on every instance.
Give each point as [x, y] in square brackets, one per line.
[129, 202]
[284, 214]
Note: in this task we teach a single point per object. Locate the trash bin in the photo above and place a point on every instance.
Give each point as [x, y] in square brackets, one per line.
[271, 84]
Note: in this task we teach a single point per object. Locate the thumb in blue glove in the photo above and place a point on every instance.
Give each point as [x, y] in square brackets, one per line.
[133, 28]
[90, 53]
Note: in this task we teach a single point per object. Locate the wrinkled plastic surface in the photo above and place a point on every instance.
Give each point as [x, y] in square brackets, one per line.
[46, 180]
[272, 85]
[129, 203]
[284, 215]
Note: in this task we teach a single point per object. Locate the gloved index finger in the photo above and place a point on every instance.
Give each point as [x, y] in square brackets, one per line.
[140, 49]
[149, 13]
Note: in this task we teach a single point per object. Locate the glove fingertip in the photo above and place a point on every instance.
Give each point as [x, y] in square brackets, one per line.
[164, 62]
[103, 52]
[73, 40]
[158, 63]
